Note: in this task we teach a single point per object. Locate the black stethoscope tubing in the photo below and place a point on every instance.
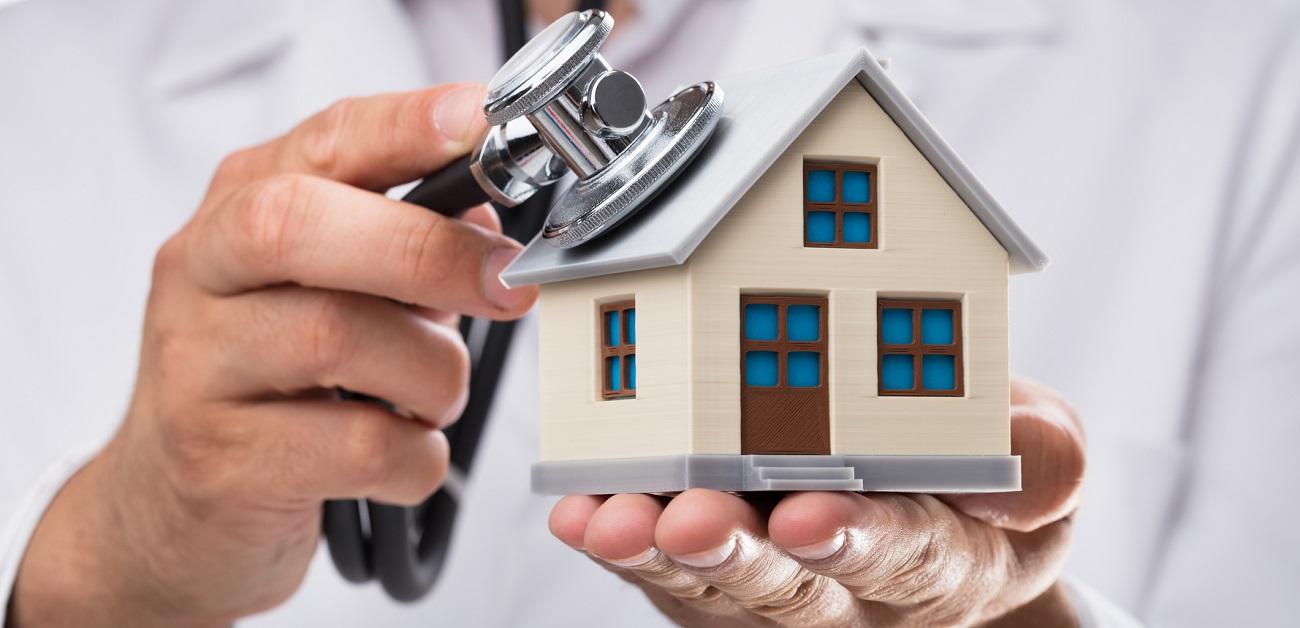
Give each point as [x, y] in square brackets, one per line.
[404, 548]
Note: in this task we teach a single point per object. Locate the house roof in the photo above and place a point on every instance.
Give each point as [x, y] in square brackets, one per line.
[765, 111]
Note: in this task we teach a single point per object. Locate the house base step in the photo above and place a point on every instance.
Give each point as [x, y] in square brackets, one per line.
[801, 473]
[805, 473]
[812, 485]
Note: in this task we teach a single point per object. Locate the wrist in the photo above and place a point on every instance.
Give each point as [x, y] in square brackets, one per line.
[1052, 608]
[80, 569]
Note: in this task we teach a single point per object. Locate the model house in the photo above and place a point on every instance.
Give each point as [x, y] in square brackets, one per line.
[819, 303]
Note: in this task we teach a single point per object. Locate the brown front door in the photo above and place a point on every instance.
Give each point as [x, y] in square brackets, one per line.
[784, 403]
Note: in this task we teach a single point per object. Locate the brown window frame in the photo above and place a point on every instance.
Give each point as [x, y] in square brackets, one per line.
[781, 346]
[919, 350]
[839, 207]
[620, 351]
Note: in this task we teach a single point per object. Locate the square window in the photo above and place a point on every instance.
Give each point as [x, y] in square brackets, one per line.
[857, 227]
[760, 368]
[938, 372]
[920, 347]
[612, 336]
[615, 381]
[936, 327]
[897, 372]
[631, 327]
[803, 369]
[896, 326]
[760, 321]
[802, 323]
[856, 187]
[630, 362]
[840, 205]
[821, 227]
[820, 187]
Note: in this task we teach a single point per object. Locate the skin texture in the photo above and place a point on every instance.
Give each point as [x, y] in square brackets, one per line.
[289, 281]
[706, 558]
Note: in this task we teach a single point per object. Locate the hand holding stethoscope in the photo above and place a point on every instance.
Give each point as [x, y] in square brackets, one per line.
[556, 107]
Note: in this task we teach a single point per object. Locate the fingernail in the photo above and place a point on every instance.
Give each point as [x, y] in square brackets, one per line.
[634, 561]
[459, 111]
[709, 558]
[494, 288]
[820, 550]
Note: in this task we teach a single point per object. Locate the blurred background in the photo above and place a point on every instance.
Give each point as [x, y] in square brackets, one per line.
[1150, 148]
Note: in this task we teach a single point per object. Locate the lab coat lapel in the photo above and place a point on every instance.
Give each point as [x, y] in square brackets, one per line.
[772, 33]
[310, 52]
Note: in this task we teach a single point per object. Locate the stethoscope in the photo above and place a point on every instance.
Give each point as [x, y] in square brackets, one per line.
[555, 107]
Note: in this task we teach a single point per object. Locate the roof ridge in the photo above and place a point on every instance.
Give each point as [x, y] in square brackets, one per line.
[667, 232]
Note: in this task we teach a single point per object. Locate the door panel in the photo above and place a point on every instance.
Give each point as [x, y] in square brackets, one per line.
[784, 391]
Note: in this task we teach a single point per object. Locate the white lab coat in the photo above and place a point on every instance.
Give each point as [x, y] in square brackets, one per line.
[1150, 148]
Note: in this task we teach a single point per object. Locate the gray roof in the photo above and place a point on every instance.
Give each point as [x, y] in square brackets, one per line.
[765, 112]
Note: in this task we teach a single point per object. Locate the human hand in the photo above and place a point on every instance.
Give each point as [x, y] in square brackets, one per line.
[706, 558]
[289, 281]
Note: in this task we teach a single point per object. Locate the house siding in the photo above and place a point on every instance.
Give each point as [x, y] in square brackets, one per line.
[575, 422]
[688, 317]
[931, 246]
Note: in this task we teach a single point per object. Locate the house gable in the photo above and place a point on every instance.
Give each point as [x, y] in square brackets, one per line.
[930, 246]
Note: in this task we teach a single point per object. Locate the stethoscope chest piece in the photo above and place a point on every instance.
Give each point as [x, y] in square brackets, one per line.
[594, 120]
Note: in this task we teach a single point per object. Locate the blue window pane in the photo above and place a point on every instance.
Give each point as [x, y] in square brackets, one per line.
[803, 369]
[936, 327]
[821, 186]
[760, 321]
[802, 322]
[611, 329]
[615, 378]
[896, 326]
[760, 368]
[631, 326]
[857, 227]
[821, 227]
[857, 188]
[631, 371]
[897, 372]
[938, 372]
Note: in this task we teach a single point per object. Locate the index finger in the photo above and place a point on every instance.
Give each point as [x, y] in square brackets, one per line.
[319, 233]
[373, 142]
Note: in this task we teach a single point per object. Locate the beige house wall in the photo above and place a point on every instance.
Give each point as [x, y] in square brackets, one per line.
[575, 422]
[688, 317]
[931, 246]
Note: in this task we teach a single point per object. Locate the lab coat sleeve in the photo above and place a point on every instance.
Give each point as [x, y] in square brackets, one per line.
[1232, 550]
[21, 523]
[1094, 611]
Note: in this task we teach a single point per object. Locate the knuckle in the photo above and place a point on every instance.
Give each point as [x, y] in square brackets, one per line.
[418, 116]
[330, 338]
[167, 260]
[453, 372]
[233, 167]
[434, 470]
[264, 222]
[921, 569]
[367, 452]
[457, 359]
[321, 143]
[424, 251]
[203, 453]
[793, 598]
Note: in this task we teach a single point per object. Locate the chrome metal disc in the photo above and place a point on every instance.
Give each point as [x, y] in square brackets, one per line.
[546, 65]
[679, 128]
